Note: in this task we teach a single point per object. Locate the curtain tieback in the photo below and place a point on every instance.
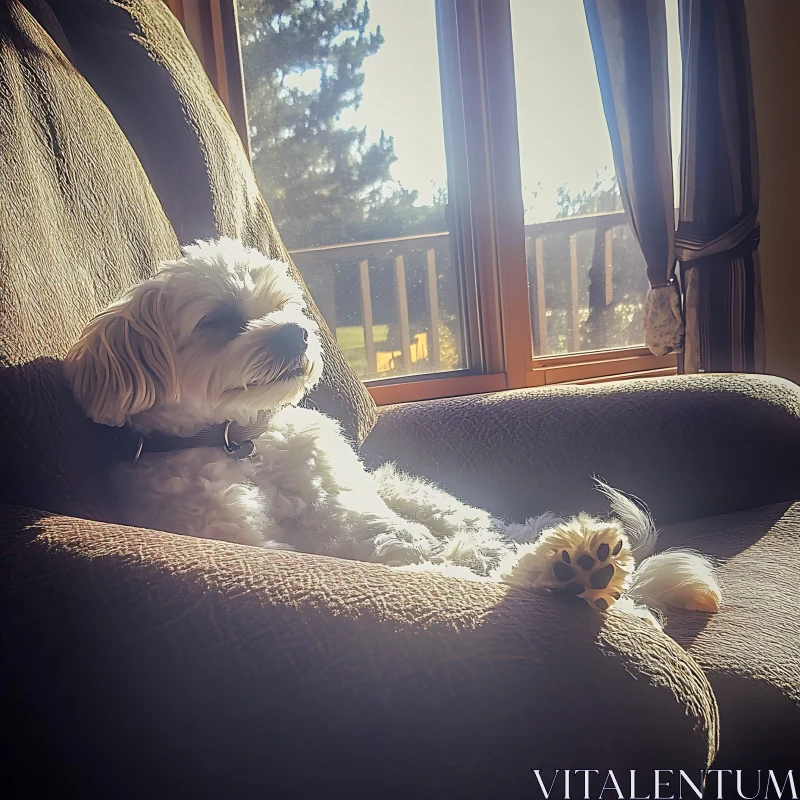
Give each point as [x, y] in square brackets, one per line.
[740, 239]
[663, 322]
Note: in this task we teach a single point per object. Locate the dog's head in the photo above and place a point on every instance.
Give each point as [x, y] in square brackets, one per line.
[220, 334]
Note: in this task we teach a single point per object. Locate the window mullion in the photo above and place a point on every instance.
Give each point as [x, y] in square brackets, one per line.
[492, 151]
[506, 194]
[460, 216]
[478, 172]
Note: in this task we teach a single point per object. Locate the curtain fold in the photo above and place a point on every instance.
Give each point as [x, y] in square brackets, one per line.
[629, 40]
[716, 320]
[718, 232]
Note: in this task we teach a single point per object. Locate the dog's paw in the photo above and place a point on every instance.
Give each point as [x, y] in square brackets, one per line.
[581, 557]
[591, 573]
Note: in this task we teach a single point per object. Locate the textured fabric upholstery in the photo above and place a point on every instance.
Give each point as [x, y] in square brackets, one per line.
[137, 58]
[239, 672]
[689, 446]
[751, 649]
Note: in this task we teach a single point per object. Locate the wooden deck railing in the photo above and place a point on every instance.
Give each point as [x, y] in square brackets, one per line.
[312, 259]
[398, 249]
[602, 268]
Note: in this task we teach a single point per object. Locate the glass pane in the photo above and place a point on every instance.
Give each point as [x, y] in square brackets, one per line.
[346, 133]
[586, 273]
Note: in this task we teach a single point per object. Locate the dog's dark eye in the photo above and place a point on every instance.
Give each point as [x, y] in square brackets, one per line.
[225, 326]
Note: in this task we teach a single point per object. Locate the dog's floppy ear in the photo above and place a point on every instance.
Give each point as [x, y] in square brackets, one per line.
[125, 359]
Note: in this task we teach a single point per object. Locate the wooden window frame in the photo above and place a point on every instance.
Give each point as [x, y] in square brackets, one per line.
[498, 305]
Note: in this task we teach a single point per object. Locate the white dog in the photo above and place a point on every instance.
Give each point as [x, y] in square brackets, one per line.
[206, 362]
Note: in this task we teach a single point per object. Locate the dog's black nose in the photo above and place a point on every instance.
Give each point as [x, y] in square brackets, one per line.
[290, 341]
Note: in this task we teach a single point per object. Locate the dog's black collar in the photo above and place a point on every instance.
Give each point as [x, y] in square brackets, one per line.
[235, 439]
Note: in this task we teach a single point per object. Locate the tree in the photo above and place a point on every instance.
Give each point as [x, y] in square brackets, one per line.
[324, 184]
[603, 196]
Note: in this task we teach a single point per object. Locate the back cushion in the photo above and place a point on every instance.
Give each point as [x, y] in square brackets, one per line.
[137, 58]
[79, 222]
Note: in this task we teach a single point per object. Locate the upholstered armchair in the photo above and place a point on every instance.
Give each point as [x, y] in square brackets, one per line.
[141, 663]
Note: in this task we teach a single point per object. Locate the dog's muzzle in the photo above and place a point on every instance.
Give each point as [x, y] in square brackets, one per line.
[289, 342]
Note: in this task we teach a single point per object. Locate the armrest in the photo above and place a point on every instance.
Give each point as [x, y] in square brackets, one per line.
[162, 660]
[689, 446]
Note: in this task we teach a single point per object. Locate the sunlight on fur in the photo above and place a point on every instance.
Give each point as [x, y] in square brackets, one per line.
[221, 337]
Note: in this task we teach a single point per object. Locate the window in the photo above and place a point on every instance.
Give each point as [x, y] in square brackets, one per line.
[441, 172]
[586, 272]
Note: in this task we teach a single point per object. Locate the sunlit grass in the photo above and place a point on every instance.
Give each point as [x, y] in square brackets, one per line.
[351, 337]
[351, 340]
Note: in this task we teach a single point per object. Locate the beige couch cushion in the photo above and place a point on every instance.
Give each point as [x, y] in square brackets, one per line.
[689, 445]
[79, 221]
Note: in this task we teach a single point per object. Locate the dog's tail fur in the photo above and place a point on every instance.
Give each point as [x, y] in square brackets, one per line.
[677, 577]
[636, 520]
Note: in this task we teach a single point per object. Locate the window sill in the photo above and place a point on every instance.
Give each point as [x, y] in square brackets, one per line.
[605, 364]
[433, 388]
[580, 368]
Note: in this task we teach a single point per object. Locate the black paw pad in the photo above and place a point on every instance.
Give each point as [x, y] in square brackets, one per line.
[603, 551]
[617, 548]
[585, 562]
[601, 604]
[562, 572]
[601, 578]
[573, 588]
[565, 557]
[616, 595]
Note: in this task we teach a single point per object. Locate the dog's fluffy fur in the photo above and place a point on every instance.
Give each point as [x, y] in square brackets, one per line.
[222, 334]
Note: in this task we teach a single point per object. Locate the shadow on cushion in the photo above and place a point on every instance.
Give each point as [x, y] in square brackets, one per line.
[750, 650]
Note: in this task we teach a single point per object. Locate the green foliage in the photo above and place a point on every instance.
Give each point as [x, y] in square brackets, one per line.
[324, 184]
[449, 351]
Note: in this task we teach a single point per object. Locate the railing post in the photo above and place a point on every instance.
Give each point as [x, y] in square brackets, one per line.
[320, 281]
[537, 300]
[575, 326]
[433, 306]
[366, 316]
[601, 280]
[402, 310]
[608, 250]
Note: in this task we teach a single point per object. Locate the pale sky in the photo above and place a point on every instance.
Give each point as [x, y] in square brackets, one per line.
[563, 135]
